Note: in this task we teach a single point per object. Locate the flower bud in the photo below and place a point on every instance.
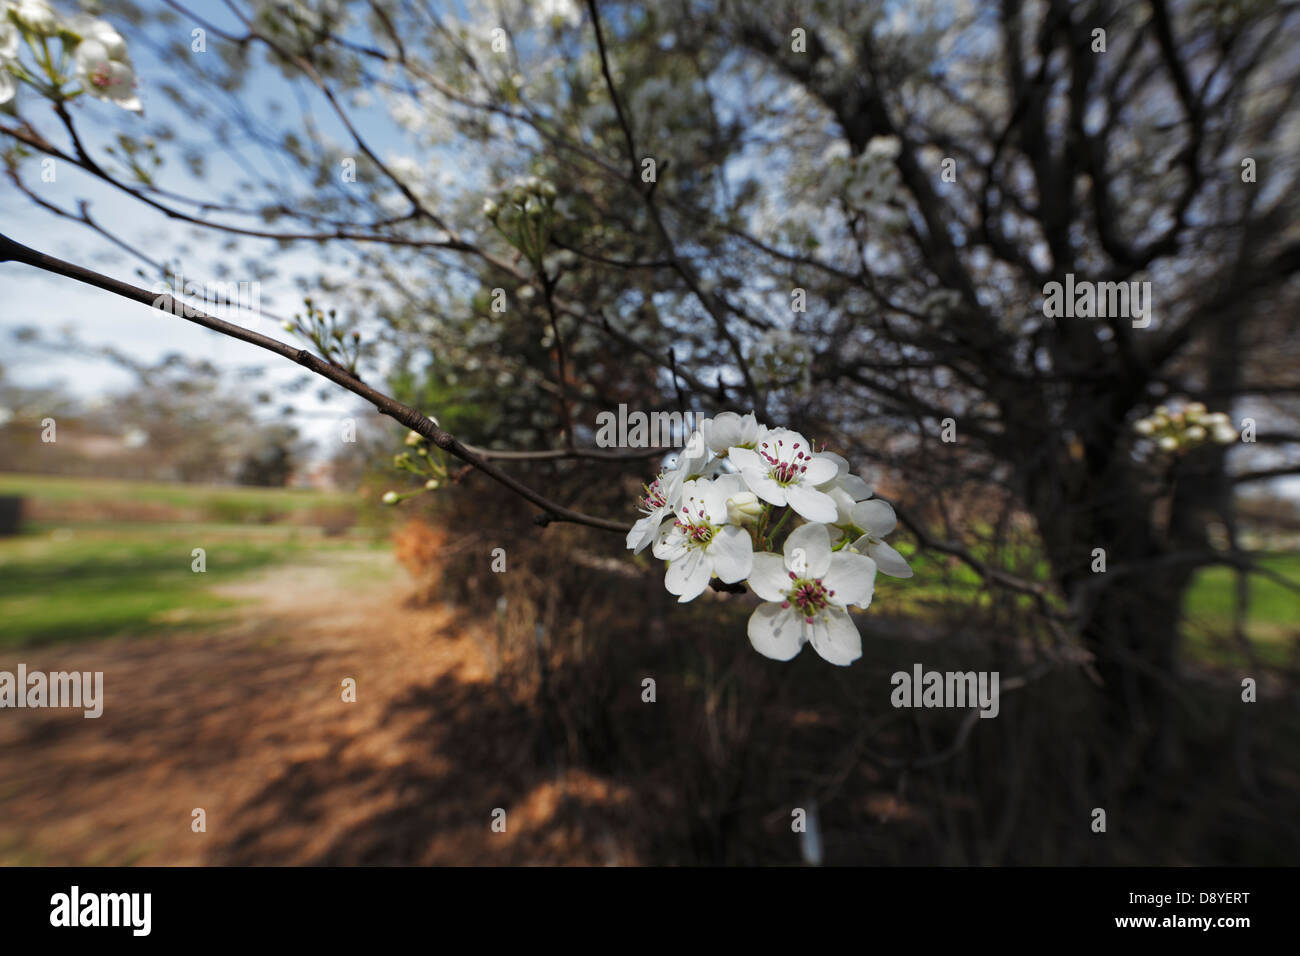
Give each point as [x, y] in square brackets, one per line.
[533, 208]
[743, 507]
[1144, 426]
[490, 209]
[36, 17]
[1196, 433]
[413, 438]
[431, 484]
[1169, 443]
[390, 498]
[1224, 434]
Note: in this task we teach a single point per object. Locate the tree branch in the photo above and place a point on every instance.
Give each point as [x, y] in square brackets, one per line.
[11, 251]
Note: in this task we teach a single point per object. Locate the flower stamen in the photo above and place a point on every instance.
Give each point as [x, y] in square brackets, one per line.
[809, 596]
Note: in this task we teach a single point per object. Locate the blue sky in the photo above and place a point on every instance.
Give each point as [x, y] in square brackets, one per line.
[34, 298]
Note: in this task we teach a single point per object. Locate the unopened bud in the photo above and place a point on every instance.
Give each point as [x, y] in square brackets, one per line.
[743, 507]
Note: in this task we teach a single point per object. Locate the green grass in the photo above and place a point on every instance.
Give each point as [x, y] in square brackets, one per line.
[222, 503]
[940, 581]
[100, 581]
[1272, 623]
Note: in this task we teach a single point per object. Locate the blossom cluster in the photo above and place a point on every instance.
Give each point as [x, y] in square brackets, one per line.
[89, 50]
[423, 463]
[1182, 430]
[722, 510]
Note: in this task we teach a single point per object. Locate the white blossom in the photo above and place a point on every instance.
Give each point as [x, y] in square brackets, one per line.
[658, 502]
[782, 470]
[725, 495]
[36, 16]
[700, 544]
[9, 39]
[807, 593]
[105, 71]
[875, 519]
[728, 429]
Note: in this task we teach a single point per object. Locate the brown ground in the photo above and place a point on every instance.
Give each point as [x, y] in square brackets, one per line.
[249, 725]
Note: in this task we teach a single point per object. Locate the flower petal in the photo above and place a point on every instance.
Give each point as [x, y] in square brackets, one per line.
[810, 503]
[888, 560]
[841, 464]
[689, 575]
[820, 470]
[763, 485]
[732, 554]
[835, 637]
[670, 543]
[843, 504]
[717, 493]
[852, 577]
[808, 551]
[857, 488]
[769, 577]
[775, 632]
[746, 458]
[722, 431]
[644, 531]
[874, 517]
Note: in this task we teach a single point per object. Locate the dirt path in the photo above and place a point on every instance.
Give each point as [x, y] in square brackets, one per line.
[249, 725]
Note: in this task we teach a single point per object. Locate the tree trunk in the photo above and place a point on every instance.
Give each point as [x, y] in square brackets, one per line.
[1128, 616]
